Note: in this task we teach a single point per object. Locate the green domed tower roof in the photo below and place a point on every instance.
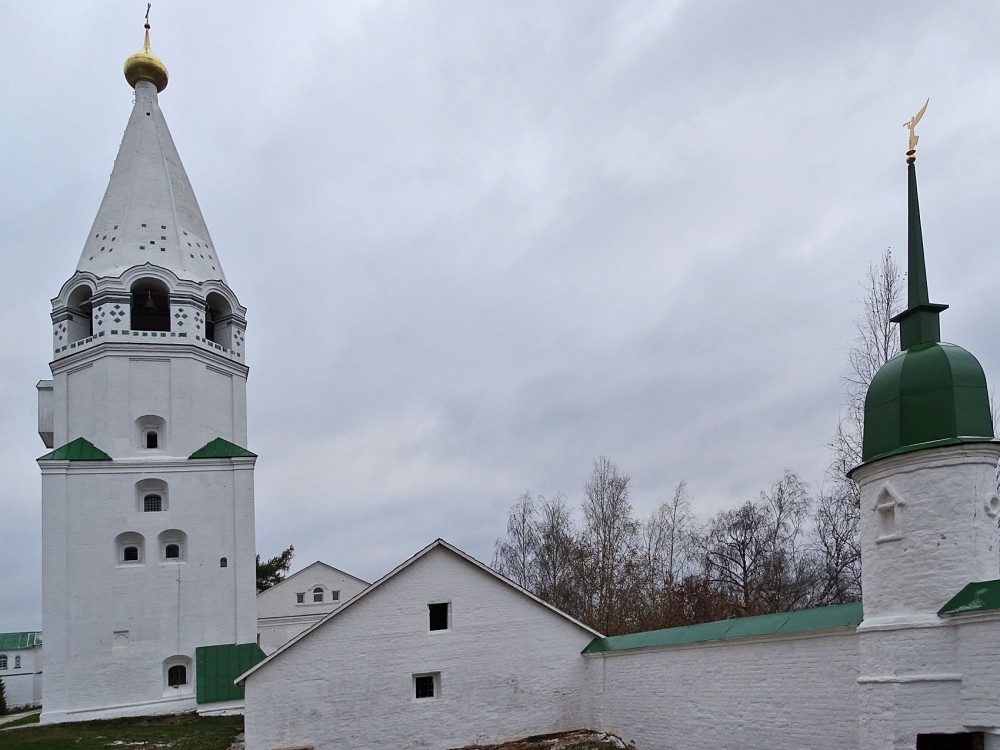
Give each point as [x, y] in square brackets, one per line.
[931, 393]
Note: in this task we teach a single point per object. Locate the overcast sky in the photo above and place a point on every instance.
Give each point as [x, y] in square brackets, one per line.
[482, 243]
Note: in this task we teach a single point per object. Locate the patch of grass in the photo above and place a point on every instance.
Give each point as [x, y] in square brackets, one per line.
[180, 732]
[30, 719]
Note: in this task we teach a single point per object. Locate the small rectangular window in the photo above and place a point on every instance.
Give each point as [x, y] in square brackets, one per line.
[426, 685]
[300, 598]
[152, 504]
[438, 616]
[152, 439]
[335, 596]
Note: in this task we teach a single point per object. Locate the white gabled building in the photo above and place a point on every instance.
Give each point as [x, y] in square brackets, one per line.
[442, 652]
[21, 668]
[300, 601]
[147, 495]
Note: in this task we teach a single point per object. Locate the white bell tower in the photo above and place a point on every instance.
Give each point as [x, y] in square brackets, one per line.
[148, 568]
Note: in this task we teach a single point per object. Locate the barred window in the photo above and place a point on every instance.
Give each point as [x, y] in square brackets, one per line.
[152, 504]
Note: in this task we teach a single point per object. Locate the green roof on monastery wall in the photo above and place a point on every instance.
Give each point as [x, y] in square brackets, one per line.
[980, 596]
[220, 448]
[15, 641]
[781, 623]
[80, 449]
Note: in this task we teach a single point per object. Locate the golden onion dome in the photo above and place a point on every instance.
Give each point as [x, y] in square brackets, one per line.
[145, 66]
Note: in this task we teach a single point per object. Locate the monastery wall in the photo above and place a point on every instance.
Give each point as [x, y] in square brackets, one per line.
[780, 692]
[505, 667]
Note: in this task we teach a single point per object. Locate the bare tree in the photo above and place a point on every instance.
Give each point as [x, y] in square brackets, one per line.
[516, 556]
[609, 542]
[756, 556]
[836, 524]
[557, 555]
[876, 342]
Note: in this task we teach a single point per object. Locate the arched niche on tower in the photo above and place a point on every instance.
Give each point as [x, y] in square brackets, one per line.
[150, 432]
[150, 305]
[219, 320]
[79, 322]
[151, 496]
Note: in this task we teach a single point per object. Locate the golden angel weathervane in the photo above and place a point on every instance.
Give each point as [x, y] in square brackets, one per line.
[910, 154]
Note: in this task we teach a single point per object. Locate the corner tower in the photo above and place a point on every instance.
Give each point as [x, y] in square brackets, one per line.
[929, 512]
[147, 494]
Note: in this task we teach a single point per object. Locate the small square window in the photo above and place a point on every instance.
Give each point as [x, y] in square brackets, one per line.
[152, 504]
[300, 598]
[439, 615]
[426, 685]
[335, 596]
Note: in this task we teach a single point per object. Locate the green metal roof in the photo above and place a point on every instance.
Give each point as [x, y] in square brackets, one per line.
[217, 667]
[781, 623]
[15, 641]
[930, 394]
[220, 448]
[981, 596]
[80, 449]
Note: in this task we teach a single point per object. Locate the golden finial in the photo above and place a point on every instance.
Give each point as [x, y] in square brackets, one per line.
[911, 154]
[144, 65]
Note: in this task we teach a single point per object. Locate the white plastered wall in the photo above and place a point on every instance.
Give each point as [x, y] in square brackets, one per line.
[509, 667]
[779, 692]
[23, 683]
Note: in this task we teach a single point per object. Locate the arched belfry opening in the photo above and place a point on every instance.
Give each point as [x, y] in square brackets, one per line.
[150, 306]
[219, 320]
[81, 322]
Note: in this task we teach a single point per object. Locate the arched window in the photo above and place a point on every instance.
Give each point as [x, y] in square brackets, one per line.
[17, 662]
[151, 496]
[81, 323]
[3, 661]
[150, 432]
[219, 320]
[129, 548]
[173, 545]
[223, 562]
[317, 594]
[177, 675]
[150, 306]
[152, 503]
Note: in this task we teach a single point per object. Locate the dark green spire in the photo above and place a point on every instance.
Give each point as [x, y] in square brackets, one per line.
[919, 324]
[930, 394]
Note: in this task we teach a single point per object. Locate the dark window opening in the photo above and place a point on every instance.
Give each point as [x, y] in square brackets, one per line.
[17, 662]
[130, 554]
[424, 686]
[334, 596]
[300, 598]
[223, 562]
[172, 551]
[150, 310]
[3, 661]
[177, 675]
[957, 741]
[317, 594]
[152, 504]
[438, 616]
[152, 439]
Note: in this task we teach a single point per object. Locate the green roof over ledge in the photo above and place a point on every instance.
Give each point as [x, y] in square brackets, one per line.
[980, 596]
[80, 449]
[781, 623]
[220, 448]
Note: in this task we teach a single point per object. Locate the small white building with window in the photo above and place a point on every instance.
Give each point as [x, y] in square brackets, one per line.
[300, 601]
[441, 652]
[21, 668]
